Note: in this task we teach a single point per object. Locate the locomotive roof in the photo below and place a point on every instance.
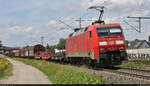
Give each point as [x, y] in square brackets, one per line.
[79, 31]
[107, 25]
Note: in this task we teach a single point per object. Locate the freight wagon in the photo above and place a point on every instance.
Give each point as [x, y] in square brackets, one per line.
[36, 52]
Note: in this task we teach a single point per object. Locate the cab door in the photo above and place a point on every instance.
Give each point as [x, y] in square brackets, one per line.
[90, 44]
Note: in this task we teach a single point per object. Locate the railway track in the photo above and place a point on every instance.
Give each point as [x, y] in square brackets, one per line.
[139, 62]
[136, 71]
[142, 75]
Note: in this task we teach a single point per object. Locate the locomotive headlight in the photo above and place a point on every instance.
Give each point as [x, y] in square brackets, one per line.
[119, 42]
[103, 43]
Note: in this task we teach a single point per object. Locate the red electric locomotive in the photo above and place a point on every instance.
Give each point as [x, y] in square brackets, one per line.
[102, 44]
[99, 44]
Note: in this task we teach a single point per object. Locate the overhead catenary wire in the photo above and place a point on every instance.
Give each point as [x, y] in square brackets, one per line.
[66, 24]
[134, 28]
[139, 18]
[131, 25]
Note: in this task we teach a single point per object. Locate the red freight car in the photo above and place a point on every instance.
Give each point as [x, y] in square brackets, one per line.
[33, 51]
[17, 53]
[46, 55]
[36, 51]
[101, 44]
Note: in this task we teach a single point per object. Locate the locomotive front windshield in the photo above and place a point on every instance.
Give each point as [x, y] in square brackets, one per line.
[109, 31]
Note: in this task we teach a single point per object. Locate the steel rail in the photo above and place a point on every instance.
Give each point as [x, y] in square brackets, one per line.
[127, 74]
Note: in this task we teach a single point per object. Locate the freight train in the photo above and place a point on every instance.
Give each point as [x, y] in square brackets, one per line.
[101, 45]
[98, 44]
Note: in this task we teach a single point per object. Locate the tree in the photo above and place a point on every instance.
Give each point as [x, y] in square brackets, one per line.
[47, 46]
[127, 43]
[149, 40]
[61, 44]
[26, 46]
[1, 44]
[51, 48]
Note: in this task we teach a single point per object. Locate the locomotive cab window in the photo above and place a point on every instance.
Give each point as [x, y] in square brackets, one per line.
[90, 34]
[109, 31]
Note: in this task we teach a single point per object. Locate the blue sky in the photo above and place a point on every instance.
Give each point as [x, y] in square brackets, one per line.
[23, 22]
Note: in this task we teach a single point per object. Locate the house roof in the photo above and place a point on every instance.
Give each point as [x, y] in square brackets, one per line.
[136, 44]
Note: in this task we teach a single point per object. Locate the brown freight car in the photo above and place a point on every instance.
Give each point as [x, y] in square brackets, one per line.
[33, 51]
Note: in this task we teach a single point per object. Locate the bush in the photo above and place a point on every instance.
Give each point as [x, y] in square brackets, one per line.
[5, 68]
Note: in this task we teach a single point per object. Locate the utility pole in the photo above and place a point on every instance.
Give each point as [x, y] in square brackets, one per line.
[0, 44]
[80, 22]
[42, 39]
[139, 29]
[26, 44]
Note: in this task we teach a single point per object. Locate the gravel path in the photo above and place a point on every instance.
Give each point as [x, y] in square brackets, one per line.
[25, 74]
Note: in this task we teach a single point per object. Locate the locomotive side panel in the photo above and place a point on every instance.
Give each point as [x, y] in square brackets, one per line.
[78, 46]
[95, 43]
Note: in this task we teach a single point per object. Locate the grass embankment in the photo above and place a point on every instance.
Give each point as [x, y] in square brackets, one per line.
[64, 74]
[5, 68]
[133, 65]
[139, 59]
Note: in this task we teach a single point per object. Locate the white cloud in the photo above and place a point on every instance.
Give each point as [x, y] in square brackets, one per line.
[28, 29]
[117, 5]
[146, 12]
[127, 2]
[20, 30]
[65, 21]
[16, 29]
[111, 19]
[51, 23]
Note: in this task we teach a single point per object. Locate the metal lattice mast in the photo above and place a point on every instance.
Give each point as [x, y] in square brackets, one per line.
[42, 40]
[139, 29]
[80, 22]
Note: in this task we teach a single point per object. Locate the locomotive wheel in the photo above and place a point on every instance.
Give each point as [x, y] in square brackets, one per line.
[92, 63]
[40, 58]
